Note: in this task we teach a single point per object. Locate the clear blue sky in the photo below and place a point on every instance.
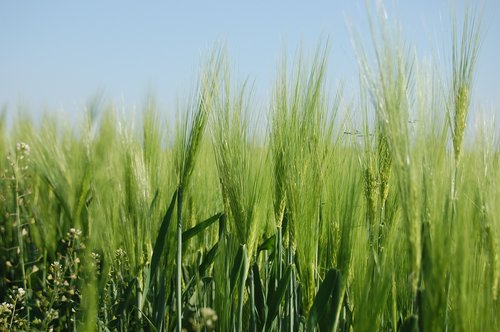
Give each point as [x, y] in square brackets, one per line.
[58, 54]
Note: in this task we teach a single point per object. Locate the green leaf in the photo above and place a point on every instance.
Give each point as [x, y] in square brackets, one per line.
[328, 298]
[268, 244]
[236, 270]
[208, 259]
[160, 303]
[273, 303]
[159, 247]
[188, 234]
[271, 283]
[260, 304]
[162, 235]
[222, 225]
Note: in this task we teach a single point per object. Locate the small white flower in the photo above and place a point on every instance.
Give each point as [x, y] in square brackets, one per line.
[23, 149]
[6, 308]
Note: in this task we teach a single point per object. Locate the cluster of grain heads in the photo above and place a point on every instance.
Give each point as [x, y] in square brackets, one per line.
[430, 153]
[465, 47]
[238, 172]
[426, 217]
[298, 138]
[390, 85]
[240, 175]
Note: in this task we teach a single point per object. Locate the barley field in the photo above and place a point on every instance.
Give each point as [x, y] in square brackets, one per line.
[376, 213]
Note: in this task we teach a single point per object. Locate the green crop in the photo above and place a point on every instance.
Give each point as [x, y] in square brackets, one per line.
[376, 213]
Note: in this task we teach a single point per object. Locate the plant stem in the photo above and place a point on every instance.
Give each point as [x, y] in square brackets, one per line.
[291, 289]
[20, 238]
[179, 259]
[253, 323]
[279, 248]
[242, 288]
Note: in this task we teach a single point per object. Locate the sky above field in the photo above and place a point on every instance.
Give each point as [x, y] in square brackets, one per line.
[56, 55]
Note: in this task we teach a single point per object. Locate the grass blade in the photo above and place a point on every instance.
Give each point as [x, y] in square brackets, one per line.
[268, 244]
[160, 242]
[236, 270]
[273, 303]
[328, 298]
[192, 232]
[260, 303]
[208, 259]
